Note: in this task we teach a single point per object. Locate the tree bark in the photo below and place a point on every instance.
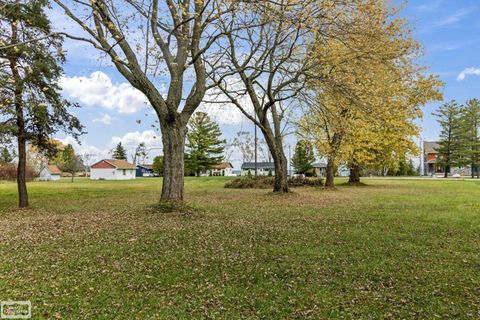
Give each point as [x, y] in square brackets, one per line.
[173, 138]
[281, 172]
[354, 174]
[21, 172]
[275, 145]
[330, 175]
[20, 122]
[22, 147]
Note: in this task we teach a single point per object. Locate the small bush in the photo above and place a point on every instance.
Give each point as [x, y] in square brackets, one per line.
[268, 182]
[251, 183]
[9, 172]
[305, 182]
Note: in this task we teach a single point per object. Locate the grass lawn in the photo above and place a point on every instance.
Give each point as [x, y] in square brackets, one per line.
[400, 249]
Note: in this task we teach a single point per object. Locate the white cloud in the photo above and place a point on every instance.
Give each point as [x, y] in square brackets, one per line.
[97, 90]
[468, 71]
[453, 18]
[429, 7]
[105, 119]
[217, 105]
[85, 150]
[131, 140]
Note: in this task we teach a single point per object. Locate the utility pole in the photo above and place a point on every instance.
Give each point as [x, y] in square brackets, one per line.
[289, 160]
[255, 124]
[422, 164]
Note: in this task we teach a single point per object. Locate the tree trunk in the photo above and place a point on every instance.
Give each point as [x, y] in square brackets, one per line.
[22, 152]
[354, 174]
[173, 138]
[20, 122]
[21, 172]
[330, 175]
[281, 173]
[275, 146]
[447, 168]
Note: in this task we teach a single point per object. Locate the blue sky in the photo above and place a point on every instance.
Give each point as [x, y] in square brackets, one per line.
[449, 30]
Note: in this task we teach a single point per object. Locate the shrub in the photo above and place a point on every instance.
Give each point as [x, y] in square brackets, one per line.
[305, 182]
[9, 172]
[268, 182]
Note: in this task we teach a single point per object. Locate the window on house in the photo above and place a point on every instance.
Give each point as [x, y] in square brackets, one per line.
[124, 172]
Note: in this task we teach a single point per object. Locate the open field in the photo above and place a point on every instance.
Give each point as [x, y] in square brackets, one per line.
[390, 249]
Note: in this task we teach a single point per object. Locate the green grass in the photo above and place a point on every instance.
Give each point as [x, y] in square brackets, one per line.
[399, 249]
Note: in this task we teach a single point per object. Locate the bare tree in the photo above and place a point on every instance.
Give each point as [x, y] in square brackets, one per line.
[139, 154]
[265, 59]
[147, 40]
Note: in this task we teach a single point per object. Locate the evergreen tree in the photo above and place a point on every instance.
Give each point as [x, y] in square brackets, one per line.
[119, 152]
[450, 143]
[470, 136]
[5, 156]
[158, 166]
[31, 108]
[204, 148]
[69, 161]
[304, 157]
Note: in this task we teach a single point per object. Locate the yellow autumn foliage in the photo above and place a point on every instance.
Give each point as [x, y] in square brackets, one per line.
[368, 89]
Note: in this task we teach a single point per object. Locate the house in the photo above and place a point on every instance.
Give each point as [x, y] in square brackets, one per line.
[430, 155]
[222, 169]
[319, 169]
[431, 165]
[112, 169]
[263, 168]
[144, 170]
[50, 173]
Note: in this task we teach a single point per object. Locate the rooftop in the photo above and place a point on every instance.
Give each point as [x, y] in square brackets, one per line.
[430, 147]
[118, 164]
[260, 165]
[53, 169]
[223, 165]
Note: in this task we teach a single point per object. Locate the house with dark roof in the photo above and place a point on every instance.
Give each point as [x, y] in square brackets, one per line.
[319, 169]
[431, 163]
[50, 173]
[144, 170]
[263, 168]
[112, 169]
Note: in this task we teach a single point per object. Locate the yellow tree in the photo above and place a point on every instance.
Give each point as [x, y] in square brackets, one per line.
[368, 90]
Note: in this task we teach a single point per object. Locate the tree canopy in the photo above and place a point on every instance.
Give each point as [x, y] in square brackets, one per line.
[32, 108]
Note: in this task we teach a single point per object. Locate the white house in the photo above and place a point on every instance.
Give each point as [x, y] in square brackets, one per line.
[263, 168]
[50, 173]
[223, 169]
[112, 169]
